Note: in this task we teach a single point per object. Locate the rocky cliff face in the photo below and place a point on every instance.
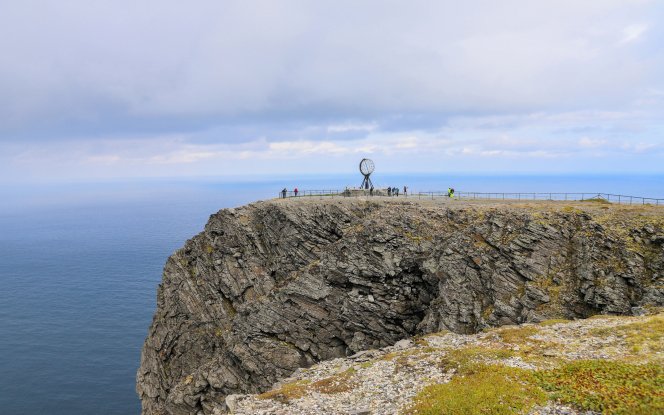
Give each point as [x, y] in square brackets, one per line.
[279, 285]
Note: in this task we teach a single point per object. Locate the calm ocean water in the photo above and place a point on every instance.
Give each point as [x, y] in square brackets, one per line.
[80, 264]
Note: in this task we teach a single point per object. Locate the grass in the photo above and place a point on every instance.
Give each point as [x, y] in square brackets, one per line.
[602, 386]
[517, 335]
[468, 357]
[287, 392]
[482, 385]
[596, 200]
[553, 321]
[645, 336]
[607, 387]
[340, 382]
[483, 389]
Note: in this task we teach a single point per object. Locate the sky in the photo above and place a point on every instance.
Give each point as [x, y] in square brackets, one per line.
[98, 90]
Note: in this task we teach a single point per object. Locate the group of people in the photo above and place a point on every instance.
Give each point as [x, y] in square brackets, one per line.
[284, 192]
[394, 191]
[391, 191]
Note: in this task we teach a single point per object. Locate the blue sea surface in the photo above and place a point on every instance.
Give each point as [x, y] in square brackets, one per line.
[80, 265]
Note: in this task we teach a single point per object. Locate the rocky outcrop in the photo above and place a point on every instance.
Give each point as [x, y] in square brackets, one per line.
[279, 285]
[395, 379]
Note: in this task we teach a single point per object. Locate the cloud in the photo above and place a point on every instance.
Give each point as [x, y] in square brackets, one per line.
[588, 142]
[337, 128]
[633, 33]
[160, 83]
[237, 58]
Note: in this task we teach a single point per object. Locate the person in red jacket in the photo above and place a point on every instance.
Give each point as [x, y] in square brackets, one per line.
[295, 191]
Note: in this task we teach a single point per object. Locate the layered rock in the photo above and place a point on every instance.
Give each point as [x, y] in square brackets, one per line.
[279, 285]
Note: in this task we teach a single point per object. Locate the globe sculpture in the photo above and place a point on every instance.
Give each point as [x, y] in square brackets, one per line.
[366, 168]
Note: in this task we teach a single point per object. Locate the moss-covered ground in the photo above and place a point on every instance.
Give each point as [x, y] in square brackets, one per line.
[630, 382]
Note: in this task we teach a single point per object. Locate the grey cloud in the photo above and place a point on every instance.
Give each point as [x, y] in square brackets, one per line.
[163, 87]
[240, 68]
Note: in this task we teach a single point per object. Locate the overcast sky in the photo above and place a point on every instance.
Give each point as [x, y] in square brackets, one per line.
[110, 89]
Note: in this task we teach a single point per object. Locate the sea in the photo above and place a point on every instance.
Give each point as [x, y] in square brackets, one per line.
[80, 264]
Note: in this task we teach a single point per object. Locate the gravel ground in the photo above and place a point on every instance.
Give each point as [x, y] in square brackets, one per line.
[546, 205]
[385, 381]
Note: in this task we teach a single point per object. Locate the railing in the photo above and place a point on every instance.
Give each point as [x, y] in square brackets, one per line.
[589, 196]
[310, 193]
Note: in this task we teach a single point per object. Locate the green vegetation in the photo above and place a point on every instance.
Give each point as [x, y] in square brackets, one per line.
[287, 392]
[571, 209]
[646, 336]
[483, 389]
[341, 382]
[607, 387]
[484, 384]
[597, 200]
[553, 321]
[603, 386]
[517, 335]
[461, 359]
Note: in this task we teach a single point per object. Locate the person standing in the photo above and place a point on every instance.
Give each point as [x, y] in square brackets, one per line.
[283, 193]
[405, 191]
[371, 191]
[295, 191]
[389, 191]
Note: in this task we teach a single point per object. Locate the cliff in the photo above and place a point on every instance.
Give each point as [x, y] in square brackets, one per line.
[275, 286]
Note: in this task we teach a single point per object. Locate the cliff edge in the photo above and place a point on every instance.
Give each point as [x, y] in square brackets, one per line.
[274, 286]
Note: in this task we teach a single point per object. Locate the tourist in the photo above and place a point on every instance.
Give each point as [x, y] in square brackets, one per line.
[295, 191]
[371, 191]
[389, 191]
[396, 191]
[283, 192]
[405, 191]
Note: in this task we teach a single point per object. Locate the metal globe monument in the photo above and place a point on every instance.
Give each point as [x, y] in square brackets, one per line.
[366, 168]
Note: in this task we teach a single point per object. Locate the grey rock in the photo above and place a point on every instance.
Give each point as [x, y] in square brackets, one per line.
[403, 344]
[275, 286]
[232, 402]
